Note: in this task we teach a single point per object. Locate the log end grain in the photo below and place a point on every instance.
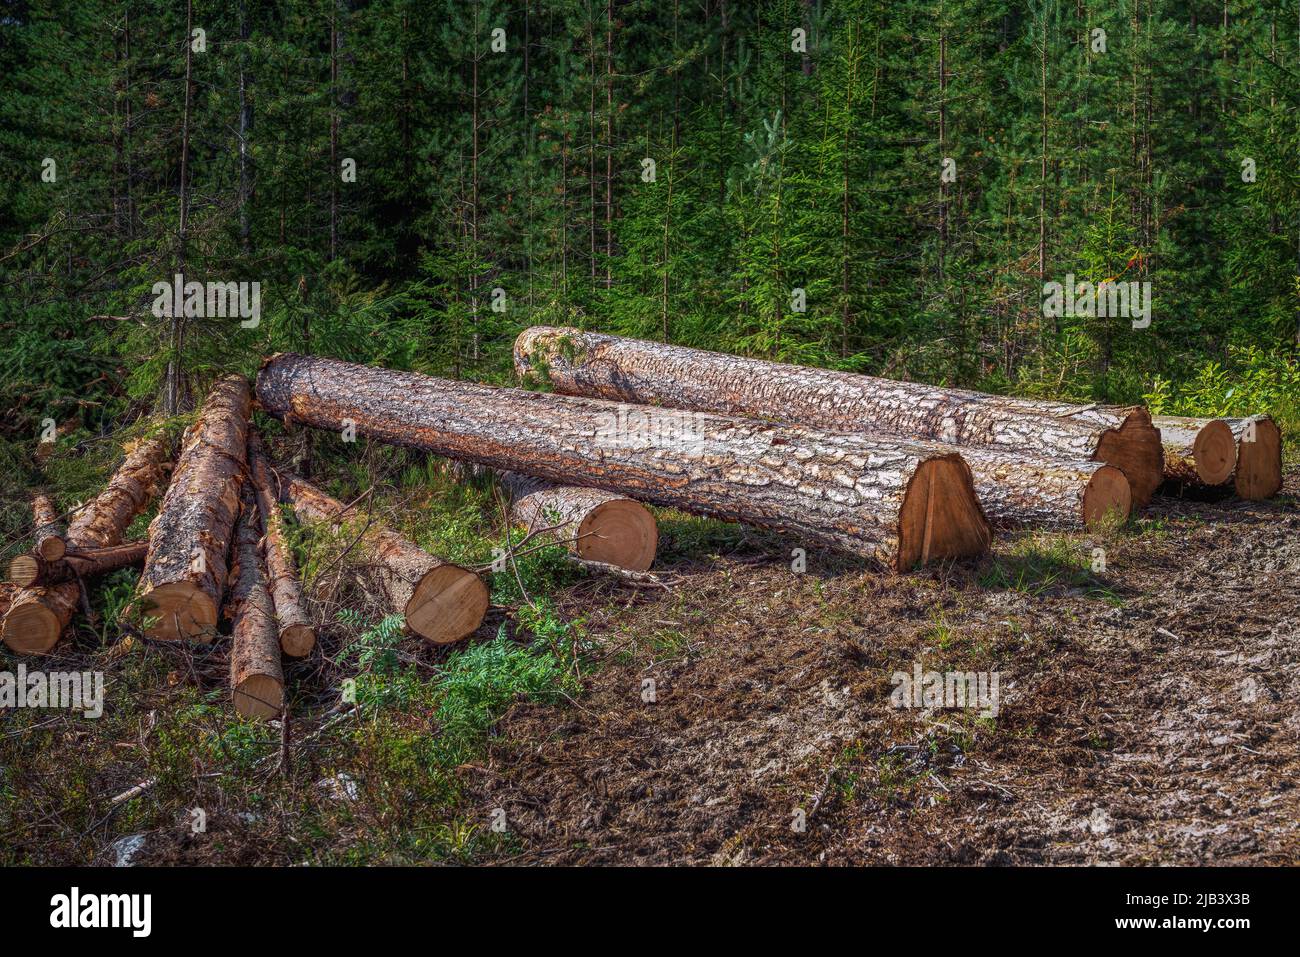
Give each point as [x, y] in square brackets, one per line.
[447, 604]
[1259, 464]
[31, 628]
[619, 532]
[179, 611]
[1215, 452]
[297, 641]
[1135, 449]
[259, 696]
[52, 548]
[1107, 499]
[941, 516]
[25, 569]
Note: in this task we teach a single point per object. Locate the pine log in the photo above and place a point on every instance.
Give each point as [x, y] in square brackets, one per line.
[185, 571]
[297, 635]
[256, 677]
[38, 615]
[82, 563]
[440, 601]
[1208, 452]
[897, 501]
[595, 525]
[630, 370]
[51, 538]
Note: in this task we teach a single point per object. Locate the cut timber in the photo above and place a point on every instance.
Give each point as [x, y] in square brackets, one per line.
[897, 501]
[632, 370]
[1247, 452]
[185, 571]
[50, 535]
[256, 678]
[38, 615]
[1018, 490]
[83, 563]
[597, 526]
[441, 602]
[297, 636]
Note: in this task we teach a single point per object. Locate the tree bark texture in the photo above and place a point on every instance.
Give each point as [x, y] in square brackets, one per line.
[256, 678]
[297, 635]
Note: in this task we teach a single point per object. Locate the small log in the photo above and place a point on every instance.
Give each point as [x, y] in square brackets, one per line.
[256, 677]
[185, 571]
[51, 541]
[441, 602]
[1208, 452]
[83, 563]
[598, 526]
[297, 635]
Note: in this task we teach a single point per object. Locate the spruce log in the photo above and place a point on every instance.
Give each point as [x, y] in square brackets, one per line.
[631, 370]
[82, 563]
[51, 538]
[596, 526]
[897, 501]
[185, 571]
[297, 636]
[440, 601]
[39, 614]
[1210, 452]
[256, 677]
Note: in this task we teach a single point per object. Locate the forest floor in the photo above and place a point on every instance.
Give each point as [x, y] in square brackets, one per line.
[1146, 716]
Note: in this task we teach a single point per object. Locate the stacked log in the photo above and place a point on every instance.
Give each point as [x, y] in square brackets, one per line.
[185, 570]
[1073, 489]
[256, 678]
[897, 501]
[38, 615]
[27, 570]
[1212, 452]
[296, 633]
[441, 602]
[596, 526]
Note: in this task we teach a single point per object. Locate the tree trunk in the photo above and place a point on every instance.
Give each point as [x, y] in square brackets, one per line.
[256, 678]
[597, 526]
[897, 501]
[28, 570]
[50, 535]
[1012, 433]
[297, 636]
[185, 571]
[38, 615]
[441, 602]
[1217, 451]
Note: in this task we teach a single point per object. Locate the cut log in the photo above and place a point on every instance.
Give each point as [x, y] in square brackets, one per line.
[185, 571]
[39, 615]
[440, 601]
[256, 678]
[50, 535]
[595, 525]
[297, 635]
[1210, 452]
[631, 370]
[897, 501]
[83, 563]
[1018, 490]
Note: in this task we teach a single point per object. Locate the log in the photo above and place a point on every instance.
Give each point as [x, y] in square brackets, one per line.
[185, 571]
[596, 526]
[297, 635]
[256, 678]
[83, 563]
[39, 614]
[630, 370]
[1208, 452]
[440, 601]
[896, 501]
[50, 536]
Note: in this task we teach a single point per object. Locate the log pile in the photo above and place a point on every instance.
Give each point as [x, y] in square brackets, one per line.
[1213, 452]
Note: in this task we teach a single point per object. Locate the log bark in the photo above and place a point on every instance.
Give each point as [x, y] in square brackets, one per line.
[185, 571]
[594, 525]
[631, 370]
[256, 677]
[896, 501]
[297, 635]
[51, 537]
[1209, 452]
[440, 601]
[27, 570]
[38, 615]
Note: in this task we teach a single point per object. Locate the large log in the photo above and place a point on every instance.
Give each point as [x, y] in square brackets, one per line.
[39, 614]
[632, 370]
[441, 602]
[83, 563]
[1210, 452]
[297, 635]
[597, 526]
[897, 501]
[50, 537]
[256, 677]
[185, 571]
